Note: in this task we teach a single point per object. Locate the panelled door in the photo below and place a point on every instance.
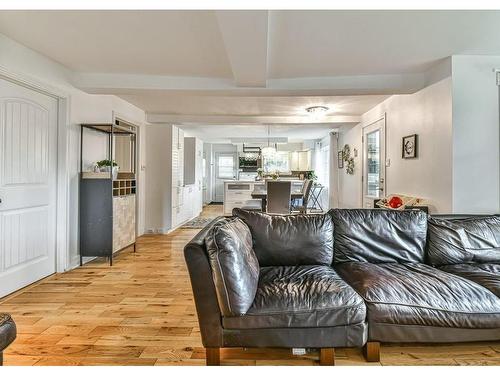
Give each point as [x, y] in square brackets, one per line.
[28, 163]
[226, 165]
[373, 162]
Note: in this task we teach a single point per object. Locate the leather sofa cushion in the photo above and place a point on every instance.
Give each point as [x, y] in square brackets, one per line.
[301, 296]
[291, 239]
[417, 294]
[379, 236]
[235, 268]
[470, 240]
[484, 274]
[7, 331]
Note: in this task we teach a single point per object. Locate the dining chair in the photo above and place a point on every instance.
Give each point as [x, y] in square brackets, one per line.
[306, 191]
[279, 195]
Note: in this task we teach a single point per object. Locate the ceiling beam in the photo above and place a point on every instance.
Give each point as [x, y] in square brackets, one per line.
[245, 35]
[165, 118]
[122, 84]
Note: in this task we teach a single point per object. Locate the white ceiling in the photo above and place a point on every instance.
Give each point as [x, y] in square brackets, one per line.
[253, 67]
[333, 43]
[166, 102]
[303, 43]
[174, 43]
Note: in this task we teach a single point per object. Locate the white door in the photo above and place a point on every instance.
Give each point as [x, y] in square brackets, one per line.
[373, 162]
[28, 152]
[225, 169]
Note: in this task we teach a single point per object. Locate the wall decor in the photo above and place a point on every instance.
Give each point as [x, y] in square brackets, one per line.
[350, 166]
[347, 152]
[346, 155]
[340, 159]
[410, 146]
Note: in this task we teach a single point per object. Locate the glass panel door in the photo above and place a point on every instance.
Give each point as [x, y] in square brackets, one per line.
[373, 163]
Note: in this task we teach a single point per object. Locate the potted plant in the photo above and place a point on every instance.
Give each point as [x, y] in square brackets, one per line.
[310, 175]
[260, 173]
[106, 165]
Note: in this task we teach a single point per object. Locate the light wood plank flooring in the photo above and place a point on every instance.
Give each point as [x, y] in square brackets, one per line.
[141, 312]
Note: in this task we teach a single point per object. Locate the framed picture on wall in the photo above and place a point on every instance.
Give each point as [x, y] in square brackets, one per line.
[340, 159]
[410, 146]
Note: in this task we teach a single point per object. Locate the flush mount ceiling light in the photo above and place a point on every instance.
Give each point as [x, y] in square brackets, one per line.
[317, 110]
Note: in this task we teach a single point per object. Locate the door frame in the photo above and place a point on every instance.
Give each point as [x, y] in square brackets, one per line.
[383, 118]
[139, 222]
[62, 173]
[216, 171]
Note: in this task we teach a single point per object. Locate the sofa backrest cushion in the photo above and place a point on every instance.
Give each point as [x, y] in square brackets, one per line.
[379, 236]
[290, 240]
[469, 240]
[235, 268]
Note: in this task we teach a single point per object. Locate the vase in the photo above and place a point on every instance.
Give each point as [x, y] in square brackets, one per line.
[114, 172]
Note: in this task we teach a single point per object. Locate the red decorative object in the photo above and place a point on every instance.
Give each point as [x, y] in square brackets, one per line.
[395, 202]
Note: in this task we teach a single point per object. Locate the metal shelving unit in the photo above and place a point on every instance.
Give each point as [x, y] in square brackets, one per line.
[99, 194]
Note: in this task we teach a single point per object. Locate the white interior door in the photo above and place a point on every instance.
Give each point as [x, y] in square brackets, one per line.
[28, 161]
[225, 169]
[373, 162]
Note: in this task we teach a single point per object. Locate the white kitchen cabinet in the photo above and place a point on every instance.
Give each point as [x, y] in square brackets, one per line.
[177, 176]
[300, 160]
[189, 160]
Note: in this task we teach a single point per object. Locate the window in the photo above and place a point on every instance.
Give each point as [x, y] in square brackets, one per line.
[280, 161]
[225, 167]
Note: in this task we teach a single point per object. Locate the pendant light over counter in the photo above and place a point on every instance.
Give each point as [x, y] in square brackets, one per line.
[268, 150]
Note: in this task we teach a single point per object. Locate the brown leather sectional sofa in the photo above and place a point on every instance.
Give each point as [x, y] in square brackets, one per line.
[349, 278]
[8, 333]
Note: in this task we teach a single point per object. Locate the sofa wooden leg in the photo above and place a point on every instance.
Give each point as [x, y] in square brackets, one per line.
[327, 357]
[213, 356]
[371, 351]
[1, 358]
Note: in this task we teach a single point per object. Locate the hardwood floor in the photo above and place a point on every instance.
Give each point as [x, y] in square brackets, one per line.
[141, 312]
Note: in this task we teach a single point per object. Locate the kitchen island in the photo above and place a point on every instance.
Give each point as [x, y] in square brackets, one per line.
[238, 193]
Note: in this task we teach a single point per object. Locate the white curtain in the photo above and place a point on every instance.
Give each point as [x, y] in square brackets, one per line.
[334, 172]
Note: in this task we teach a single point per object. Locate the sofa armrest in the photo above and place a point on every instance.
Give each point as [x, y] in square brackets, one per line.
[205, 297]
[8, 333]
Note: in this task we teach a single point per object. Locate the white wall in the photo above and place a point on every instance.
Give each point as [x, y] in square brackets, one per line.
[429, 176]
[349, 194]
[83, 108]
[476, 158]
[159, 178]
